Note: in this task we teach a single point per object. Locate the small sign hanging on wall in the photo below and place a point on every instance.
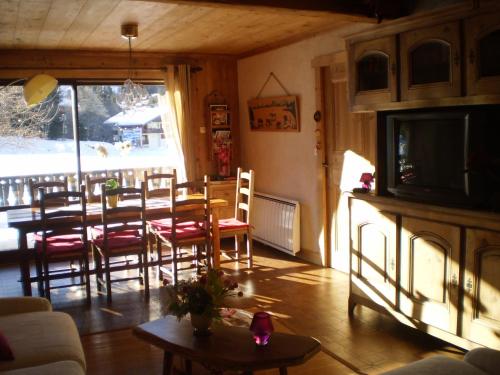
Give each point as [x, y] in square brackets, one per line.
[278, 113]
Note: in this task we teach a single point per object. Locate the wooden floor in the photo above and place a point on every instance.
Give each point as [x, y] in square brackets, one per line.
[304, 298]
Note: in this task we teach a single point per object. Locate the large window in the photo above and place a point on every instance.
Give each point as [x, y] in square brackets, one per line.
[40, 143]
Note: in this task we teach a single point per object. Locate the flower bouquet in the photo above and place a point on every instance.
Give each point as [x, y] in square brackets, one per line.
[202, 297]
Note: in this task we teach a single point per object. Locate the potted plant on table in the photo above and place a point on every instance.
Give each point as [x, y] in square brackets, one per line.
[201, 297]
[112, 200]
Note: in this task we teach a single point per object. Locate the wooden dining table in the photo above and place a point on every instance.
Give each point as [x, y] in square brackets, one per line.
[28, 220]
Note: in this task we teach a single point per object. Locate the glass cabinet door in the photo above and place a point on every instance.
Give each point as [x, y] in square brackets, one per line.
[483, 54]
[372, 73]
[430, 62]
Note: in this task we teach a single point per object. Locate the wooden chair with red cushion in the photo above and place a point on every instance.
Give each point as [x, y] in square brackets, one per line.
[240, 225]
[49, 187]
[188, 227]
[63, 238]
[122, 233]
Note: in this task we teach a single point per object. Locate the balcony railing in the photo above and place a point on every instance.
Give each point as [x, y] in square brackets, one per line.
[14, 189]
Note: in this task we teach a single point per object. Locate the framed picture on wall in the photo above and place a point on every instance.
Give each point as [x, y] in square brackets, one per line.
[219, 116]
[278, 113]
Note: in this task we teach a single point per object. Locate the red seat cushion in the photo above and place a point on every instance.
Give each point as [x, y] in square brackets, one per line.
[183, 232]
[228, 224]
[5, 350]
[97, 232]
[165, 224]
[120, 240]
[60, 244]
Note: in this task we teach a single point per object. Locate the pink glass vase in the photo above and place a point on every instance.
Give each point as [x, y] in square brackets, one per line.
[262, 327]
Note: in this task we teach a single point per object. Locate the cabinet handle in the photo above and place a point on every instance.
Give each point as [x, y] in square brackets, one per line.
[469, 285]
[472, 57]
[454, 281]
[456, 59]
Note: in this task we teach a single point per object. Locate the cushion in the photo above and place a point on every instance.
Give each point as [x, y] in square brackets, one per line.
[61, 244]
[438, 365]
[5, 350]
[485, 359]
[164, 224]
[183, 232]
[38, 338]
[62, 368]
[120, 240]
[97, 232]
[227, 224]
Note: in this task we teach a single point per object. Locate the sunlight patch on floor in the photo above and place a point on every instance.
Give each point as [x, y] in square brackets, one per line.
[112, 312]
[297, 280]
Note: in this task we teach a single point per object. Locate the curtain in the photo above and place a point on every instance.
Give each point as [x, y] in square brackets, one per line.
[175, 117]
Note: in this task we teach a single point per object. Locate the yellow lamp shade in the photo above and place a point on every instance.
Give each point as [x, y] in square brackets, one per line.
[38, 88]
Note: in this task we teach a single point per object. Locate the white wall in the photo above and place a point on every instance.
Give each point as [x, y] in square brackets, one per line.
[285, 163]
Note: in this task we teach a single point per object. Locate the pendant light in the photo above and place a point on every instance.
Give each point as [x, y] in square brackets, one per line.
[131, 95]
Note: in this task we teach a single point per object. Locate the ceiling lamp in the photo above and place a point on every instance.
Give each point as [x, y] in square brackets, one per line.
[36, 89]
[131, 95]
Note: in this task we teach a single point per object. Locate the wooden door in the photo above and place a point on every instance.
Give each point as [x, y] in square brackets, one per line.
[373, 253]
[350, 149]
[430, 261]
[430, 62]
[482, 53]
[481, 317]
[372, 71]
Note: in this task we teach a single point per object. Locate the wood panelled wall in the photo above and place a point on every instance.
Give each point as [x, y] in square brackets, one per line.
[218, 73]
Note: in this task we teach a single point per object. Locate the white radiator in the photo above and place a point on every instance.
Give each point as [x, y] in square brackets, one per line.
[276, 222]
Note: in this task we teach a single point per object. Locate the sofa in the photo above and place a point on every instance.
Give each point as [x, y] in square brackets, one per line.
[41, 341]
[480, 361]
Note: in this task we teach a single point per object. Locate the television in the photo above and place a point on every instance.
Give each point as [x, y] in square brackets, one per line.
[448, 156]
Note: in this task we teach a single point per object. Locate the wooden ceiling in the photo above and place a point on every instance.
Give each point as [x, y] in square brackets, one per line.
[188, 26]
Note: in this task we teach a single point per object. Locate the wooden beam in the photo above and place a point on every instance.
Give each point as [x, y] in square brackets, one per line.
[354, 10]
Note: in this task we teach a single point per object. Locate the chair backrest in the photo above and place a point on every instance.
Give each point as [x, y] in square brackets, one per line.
[49, 187]
[158, 184]
[244, 195]
[93, 184]
[64, 219]
[128, 215]
[191, 207]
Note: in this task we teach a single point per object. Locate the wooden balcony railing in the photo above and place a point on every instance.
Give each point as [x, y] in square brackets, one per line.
[14, 189]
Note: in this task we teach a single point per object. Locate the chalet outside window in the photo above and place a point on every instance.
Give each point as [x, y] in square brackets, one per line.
[41, 143]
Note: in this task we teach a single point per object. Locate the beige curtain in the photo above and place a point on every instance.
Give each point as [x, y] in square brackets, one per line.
[176, 115]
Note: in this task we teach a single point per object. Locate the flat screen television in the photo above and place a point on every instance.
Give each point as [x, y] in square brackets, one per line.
[449, 156]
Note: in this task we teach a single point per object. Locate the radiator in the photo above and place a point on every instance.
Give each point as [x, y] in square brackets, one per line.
[276, 222]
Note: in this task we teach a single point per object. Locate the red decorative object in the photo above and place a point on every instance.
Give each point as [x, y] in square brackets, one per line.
[366, 179]
[5, 350]
[224, 160]
[262, 327]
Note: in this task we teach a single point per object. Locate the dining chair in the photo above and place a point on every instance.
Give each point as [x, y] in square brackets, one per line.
[240, 225]
[158, 184]
[93, 184]
[63, 238]
[189, 227]
[49, 186]
[122, 233]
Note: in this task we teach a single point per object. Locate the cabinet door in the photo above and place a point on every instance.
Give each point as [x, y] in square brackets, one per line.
[430, 62]
[373, 252]
[482, 41]
[430, 257]
[226, 191]
[372, 71]
[481, 318]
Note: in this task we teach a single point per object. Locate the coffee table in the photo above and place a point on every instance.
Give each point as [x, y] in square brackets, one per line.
[228, 348]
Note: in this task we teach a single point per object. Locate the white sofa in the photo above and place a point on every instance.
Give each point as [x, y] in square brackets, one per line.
[480, 361]
[43, 341]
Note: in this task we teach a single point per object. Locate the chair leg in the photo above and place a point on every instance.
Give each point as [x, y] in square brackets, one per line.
[98, 268]
[160, 259]
[39, 274]
[46, 278]
[108, 277]
[237, 247]
[80, 264]
[146, 276]
[87, 276]
[249, 249]
[174, 265]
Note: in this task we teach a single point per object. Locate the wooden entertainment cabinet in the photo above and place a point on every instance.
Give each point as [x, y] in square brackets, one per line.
[434, 268]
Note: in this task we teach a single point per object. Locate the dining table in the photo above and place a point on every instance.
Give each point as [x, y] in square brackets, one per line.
[28, 220]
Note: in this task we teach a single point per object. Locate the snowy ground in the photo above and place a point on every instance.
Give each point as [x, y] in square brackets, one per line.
[35, 156]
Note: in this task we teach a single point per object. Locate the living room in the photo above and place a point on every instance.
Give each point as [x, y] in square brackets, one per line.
[306, 52]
